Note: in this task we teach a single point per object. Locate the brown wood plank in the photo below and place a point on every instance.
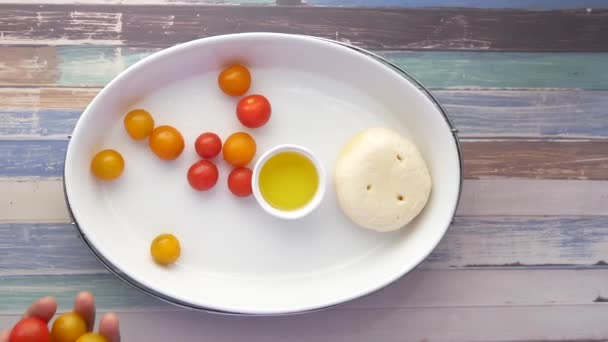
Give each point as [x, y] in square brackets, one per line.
[415, 28]
[536, 159]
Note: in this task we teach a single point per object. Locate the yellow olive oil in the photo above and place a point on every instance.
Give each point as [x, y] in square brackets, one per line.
[288, 181]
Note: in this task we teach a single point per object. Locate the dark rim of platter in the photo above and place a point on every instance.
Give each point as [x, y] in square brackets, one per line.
[186, 305]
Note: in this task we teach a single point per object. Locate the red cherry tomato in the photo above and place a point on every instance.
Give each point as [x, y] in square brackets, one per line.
[253, 111]
[203, 175]
[239, 182]
[208, 145]
[30, 329]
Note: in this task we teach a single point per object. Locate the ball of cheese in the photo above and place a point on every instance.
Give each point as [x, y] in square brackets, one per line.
[381, 180]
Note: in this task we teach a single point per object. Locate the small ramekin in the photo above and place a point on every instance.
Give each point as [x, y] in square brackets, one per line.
[288, 214]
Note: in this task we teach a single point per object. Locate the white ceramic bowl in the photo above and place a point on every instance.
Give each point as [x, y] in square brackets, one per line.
[235, 257]
[289, 214]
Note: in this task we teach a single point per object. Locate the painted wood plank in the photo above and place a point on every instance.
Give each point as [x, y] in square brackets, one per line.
[32, 200]
[492, 113]
[471, 242]
[413, 28]
[586, 160]
[489, 324]
[576, 323]
[42, 200]
[151, 2]
[524, 197]
[536, 159]
[536, 5]
[96, 66]
[52, 112]
[420, 288]
[499, 4]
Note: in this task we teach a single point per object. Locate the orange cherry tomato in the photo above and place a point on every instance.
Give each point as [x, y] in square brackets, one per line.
[239, 182]
[139, 124]
[208, 145]
[203, 175]
[234, 80]
[68, 327]
[239, 149]
[253, 111]
[165, 249]
[92, 337]
[30, 329]
[107, 165]
[167, 142]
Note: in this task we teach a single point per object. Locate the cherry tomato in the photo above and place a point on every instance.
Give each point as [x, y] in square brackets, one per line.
[165, 249]
[208, 145]
[107, 165]
[167, 142]
[92, 337]
[139, 124]
[68, 327]
[239, 149]
[239, 182]
[253, 111]
[202, 175]
[30, 329]
[234, 80]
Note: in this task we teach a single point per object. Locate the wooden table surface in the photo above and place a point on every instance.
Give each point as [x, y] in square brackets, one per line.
[526, 83]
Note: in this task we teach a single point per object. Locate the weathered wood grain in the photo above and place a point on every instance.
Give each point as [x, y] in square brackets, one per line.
[42, 200]
[445, 28]
[579, 323]
[587, 160]
[471, 242]
[536, 159]
[96, 66]
[419, 288]
[537, 5]
[498, 4]
[52, 112]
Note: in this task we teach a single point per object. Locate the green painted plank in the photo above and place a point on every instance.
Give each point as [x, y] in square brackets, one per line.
[95, 66]
[505, 69]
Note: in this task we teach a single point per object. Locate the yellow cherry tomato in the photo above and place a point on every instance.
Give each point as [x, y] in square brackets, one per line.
[234, 80]
[239, 149]
[107, 165]
[68, 327]
[167, 142]
[165, 249]
[92, 337]
[139, 124]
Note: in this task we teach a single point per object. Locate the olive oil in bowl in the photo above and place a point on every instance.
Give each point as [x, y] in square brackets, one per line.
[288, 181]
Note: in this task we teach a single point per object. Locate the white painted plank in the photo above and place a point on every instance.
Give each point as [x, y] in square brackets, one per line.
[41, 200]
[585, 322]
[533, 197]
[420, 288]
[32, 200]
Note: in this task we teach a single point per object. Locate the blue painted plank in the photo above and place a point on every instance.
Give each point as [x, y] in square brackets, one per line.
[44, 248]
[522, 4]
[25, 158]
[476, 113]
[38, 123]
[567, 242]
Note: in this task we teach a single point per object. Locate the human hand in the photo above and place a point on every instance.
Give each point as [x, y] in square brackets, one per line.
[84, 305]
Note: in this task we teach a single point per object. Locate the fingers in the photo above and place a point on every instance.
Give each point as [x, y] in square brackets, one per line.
[4, 336]
[43, 308]
[84, 305]
[108, 327]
